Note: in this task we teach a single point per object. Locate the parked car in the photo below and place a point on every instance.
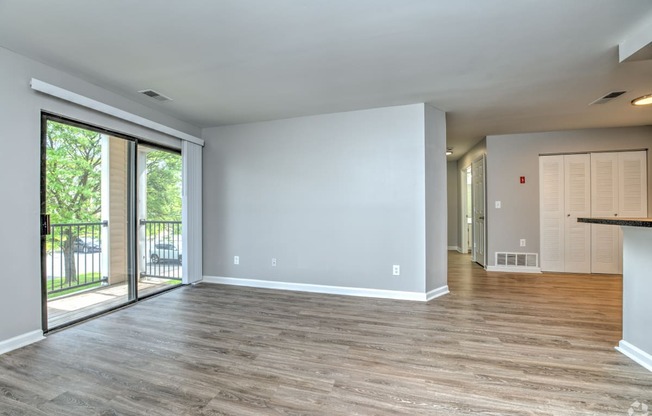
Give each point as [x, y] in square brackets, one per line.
[86, 245]
[165, 252]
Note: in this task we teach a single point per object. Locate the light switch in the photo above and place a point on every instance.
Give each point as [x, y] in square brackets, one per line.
[498, 204]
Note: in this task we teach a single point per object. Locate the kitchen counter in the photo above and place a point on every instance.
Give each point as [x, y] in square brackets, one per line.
[629, 222]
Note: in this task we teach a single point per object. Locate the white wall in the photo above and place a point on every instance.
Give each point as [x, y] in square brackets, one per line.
[337, 199]
[20, 123]
[515, 155]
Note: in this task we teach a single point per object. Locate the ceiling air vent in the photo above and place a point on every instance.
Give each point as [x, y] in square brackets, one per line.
[155, 95]
[605, 99]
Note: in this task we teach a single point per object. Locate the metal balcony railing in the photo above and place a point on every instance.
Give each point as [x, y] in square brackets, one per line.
[73, 259]
[162, 249]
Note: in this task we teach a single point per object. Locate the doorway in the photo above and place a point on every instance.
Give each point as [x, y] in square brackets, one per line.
[466, 180]
[90, 199]
[473, 208]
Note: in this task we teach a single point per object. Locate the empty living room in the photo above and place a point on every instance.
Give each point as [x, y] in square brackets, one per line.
[290, 207]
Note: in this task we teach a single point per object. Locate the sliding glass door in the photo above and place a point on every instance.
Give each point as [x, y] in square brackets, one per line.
[109, 220]
[160, 250]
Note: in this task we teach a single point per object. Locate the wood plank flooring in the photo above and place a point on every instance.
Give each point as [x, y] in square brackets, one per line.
[499, 344]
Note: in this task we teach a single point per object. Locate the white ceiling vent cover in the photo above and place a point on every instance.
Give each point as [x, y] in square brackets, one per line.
[608, 97]
[517, 261]
[155, 95]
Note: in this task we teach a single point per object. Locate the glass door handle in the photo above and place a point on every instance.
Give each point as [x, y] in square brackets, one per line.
[45, 224]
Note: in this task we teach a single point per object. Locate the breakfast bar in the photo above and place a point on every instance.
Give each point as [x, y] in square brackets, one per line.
[636, 342]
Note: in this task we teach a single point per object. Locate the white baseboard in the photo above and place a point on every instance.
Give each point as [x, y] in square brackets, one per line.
[635, 353]
[20, 341]
[454, 248]
[518, 269]
[435, 293]
[333, 290]
[459, 250]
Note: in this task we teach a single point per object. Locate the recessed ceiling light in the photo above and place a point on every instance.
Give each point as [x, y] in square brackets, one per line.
[644, 100]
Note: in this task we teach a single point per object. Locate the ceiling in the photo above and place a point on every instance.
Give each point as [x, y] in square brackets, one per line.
[495, 67]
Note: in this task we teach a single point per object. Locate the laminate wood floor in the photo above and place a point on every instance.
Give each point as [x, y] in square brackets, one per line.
[499, 344]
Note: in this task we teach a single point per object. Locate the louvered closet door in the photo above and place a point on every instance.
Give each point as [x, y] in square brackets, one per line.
[551, 209]
[632, 183]
[605, 239]
[577, 201]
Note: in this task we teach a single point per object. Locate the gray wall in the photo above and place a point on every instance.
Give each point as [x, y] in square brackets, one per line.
[454, 201]
[512, 156]
[20, 280]
[436, 203]
[337, 199]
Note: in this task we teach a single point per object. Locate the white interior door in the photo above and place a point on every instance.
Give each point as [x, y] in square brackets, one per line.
[605, 239]
[479, 237]
[577, 201]
[552, 213]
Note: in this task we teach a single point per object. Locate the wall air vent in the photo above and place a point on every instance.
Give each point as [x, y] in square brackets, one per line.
[517, 261]
[155, 95]
[608, 97]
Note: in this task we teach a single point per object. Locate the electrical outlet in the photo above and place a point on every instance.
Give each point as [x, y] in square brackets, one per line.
[274, 261]
[498, 204]
[522, 242]
[396, 270]
[236, 259]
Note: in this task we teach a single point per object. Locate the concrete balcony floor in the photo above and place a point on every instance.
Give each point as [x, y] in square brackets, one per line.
[72, 307]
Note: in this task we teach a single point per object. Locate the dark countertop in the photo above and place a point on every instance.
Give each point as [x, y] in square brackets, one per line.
[630, 222]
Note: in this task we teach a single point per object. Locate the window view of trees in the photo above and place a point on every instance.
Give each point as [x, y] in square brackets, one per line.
[73, 175]
[163, 186]
[73, 179]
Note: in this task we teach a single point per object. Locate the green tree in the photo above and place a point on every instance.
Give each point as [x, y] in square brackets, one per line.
[163, 186]
[73, 180]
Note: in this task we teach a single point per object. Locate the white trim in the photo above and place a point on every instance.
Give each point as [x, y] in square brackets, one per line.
[333, 290]
[435, 293]
[20, 341]
[517, 269]
[454, 248]
[75, 98]
[635, 353]
[459, 250]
